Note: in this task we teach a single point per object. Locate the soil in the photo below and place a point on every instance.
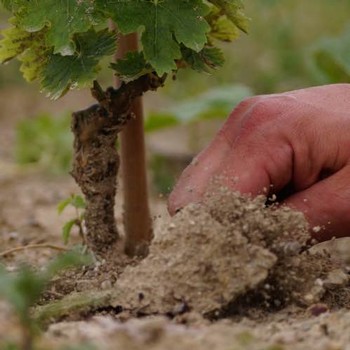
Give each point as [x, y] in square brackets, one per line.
[228, 274]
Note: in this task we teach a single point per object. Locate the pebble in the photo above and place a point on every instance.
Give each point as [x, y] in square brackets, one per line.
[107, 284]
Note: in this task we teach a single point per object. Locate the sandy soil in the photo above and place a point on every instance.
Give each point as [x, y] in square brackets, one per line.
[227, 275]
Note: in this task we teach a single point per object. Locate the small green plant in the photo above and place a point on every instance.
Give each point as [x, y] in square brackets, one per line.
[45, 141]
[78, 203]
[24, 288]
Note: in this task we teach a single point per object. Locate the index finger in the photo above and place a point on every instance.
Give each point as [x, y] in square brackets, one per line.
[249, 154]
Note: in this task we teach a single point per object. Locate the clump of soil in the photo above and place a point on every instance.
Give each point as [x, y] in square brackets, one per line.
[198, 264]
[231, 249]
[298, 277]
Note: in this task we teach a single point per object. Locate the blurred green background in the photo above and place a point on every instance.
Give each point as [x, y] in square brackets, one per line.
[291, 44]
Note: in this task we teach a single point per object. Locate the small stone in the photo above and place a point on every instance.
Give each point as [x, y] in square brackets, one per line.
[315, 295]
[335, 279]
[308, 298]
[107, 284]
[319, 282]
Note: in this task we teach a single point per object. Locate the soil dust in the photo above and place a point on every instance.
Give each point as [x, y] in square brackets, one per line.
[227, 274]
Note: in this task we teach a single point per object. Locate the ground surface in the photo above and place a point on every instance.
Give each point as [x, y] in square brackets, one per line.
[223, 276]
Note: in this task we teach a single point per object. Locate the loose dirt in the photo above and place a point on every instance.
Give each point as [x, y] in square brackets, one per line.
[228, 274]
[230, 254]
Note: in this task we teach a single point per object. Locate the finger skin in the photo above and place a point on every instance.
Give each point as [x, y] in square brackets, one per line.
[196, 177]
[276, 140]
[326, 206]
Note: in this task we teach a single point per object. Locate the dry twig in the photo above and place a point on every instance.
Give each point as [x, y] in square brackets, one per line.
[33, 246]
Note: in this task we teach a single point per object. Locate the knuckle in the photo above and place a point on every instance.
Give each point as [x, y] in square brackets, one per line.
[247, 103]
[234, 120]
[262, 111]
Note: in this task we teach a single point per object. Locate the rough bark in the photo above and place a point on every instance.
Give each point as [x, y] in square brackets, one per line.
[96, 161]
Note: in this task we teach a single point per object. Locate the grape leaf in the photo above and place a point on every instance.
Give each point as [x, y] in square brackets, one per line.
[165, 24]
[13, 5]
[204, 61]
[63, 19]
[222, 28]
[27, 47]
[14, 42]
[59, 45]
[34, 58]
[233, 10]
[65, 72]
[132, 66]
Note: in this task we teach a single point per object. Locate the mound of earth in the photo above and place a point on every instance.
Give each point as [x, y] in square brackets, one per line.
[230, 253]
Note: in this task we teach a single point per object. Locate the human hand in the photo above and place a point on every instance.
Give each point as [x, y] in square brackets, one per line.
[299, 139]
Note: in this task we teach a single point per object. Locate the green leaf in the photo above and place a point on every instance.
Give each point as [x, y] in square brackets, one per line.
[159, 121]
[65, 261]
[13, 43]
[330, 65]
[204, 61]
[46, 141]
[13, 5]
[132, 66]
[233, 9]
[67, 229]
[165, 24]
[75, 200]
[78, 202]
[62, 205]
[7, 4]
[34, 58]
[27, 47]
[57, 73]
[66, 72]
[222, 28]
[62, 18]
[215, 103]
[332, 57]
[22, 289]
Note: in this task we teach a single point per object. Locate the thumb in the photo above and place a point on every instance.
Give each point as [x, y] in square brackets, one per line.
[326, 205]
